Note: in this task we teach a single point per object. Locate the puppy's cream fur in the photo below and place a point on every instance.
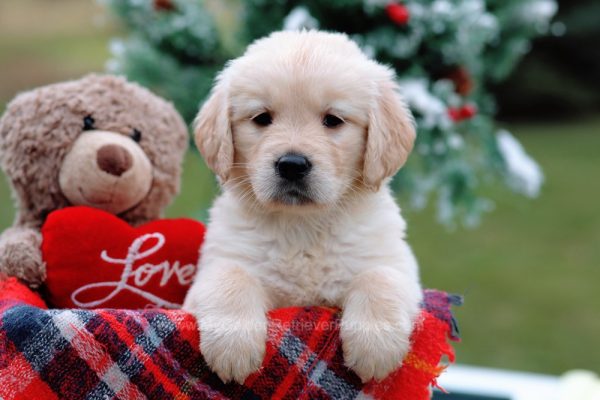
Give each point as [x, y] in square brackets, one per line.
[345, 247]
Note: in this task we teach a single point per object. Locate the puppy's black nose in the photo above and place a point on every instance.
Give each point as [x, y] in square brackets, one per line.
[293, 167]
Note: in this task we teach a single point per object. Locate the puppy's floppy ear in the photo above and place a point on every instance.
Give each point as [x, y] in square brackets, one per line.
[212, 131]
[390, 137]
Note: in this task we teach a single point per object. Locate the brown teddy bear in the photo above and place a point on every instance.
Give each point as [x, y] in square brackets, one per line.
[99, 141]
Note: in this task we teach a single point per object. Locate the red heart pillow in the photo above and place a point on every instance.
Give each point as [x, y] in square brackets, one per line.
[96, 260]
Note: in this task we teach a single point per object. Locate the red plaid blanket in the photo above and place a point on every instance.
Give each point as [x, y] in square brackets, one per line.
[105, 354]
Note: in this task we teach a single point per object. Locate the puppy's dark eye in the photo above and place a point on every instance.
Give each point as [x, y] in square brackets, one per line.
[331, 121]
[88, 123]
[136, 135]
[263, 119]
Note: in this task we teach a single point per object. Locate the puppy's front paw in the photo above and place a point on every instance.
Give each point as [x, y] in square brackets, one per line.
[233, 348]
[374, 348]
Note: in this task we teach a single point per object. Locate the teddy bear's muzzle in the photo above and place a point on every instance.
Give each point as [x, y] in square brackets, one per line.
[106, 170]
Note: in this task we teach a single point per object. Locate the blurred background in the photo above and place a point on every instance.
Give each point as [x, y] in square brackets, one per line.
[529, 269]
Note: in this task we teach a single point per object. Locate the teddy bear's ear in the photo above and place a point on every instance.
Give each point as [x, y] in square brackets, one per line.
[9, 122]
[3, 129]
[212, 131]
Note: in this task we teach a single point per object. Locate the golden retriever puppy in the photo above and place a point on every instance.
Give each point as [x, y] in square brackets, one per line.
[304, 132]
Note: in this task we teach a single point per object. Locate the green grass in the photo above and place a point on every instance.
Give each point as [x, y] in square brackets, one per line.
[529, 273]
[40, 45]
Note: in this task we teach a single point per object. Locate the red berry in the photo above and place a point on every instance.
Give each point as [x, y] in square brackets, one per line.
[462, 80]
[398, 13]
[454, 114]
[163, 5]
[468, 111]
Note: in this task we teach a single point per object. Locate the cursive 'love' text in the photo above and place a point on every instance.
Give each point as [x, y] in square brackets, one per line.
[140, 276]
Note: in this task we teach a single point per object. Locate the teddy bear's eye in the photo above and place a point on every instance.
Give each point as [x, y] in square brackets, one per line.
[88, 123]
[136, 135]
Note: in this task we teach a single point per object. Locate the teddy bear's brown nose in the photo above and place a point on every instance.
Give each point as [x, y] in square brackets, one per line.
[114, 159]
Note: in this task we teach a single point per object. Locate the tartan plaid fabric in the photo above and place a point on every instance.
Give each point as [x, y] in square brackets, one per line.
[105, 354]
